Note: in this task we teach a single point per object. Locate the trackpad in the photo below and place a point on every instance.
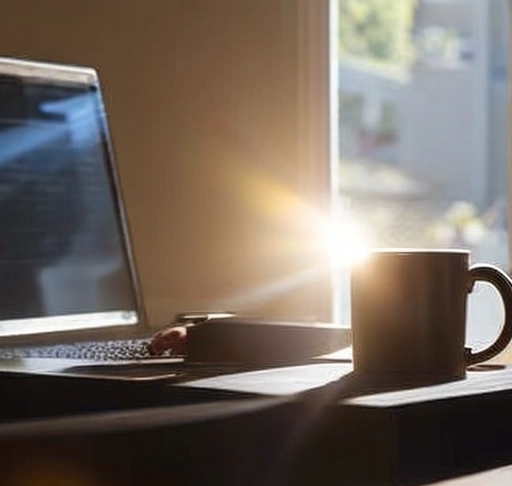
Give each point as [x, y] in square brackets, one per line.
[150, 369]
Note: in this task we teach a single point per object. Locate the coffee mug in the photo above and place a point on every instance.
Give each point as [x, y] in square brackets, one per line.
[409, 313]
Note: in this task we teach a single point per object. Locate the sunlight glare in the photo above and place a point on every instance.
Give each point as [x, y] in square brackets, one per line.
[345, 241]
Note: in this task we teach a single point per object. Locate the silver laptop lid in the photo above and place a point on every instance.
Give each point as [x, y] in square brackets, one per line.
[65, 260]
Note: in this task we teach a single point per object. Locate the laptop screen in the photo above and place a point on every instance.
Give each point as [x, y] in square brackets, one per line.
[64, 259]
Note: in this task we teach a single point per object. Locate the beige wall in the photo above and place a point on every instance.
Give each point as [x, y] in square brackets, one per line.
[202, 100]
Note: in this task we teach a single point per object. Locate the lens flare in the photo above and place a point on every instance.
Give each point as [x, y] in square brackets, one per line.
[345, 241]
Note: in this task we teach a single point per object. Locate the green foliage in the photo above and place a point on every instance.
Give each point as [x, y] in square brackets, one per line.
[378, 30]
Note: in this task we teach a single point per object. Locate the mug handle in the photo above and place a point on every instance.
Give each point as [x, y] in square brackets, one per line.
[503, 284]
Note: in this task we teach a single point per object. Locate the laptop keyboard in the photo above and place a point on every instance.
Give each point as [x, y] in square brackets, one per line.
[115, 350]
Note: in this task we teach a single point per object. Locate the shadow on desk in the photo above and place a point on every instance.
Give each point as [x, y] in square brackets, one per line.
[229, 443]
[366, 432]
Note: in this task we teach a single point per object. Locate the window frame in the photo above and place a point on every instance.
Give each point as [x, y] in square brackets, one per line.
[316, 100]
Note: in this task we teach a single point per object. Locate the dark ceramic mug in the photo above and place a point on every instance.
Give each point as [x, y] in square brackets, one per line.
[409, 313]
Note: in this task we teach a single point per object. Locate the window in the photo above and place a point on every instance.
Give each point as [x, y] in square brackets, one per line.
[422, 146]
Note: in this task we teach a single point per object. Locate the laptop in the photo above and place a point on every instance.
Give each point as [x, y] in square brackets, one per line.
[67, 271]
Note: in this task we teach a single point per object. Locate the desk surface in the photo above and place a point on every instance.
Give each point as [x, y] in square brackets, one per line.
[289, 425]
